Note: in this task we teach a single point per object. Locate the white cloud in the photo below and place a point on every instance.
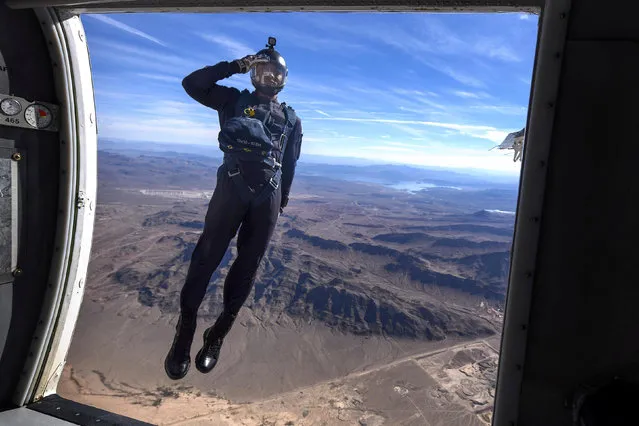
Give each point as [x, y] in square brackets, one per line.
[463, 94]
[322, 113]
[130, 96]
[171, 109]
[410, 130]
[161, 77]
[429, 42]
[388, 148]
[507, 110]
[466, 94]
[143, 59]
[124, 27]
[419, 96]
[459, 76]
[408, 145]
[430, 154]
[158, 129]
[493, 48]
[413, 110]
[526, 80]
[234, 47]
[483, 132]
[148, 118]
[317, 103]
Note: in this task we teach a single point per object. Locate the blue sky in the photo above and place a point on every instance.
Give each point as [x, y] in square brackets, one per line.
[415, 88]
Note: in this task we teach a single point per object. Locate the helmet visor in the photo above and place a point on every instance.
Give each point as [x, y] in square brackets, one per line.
[270, 74]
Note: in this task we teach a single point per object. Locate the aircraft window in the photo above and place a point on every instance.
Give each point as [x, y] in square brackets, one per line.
[380, 296]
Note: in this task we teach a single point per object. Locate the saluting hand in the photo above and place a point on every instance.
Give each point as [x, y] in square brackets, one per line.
[249, 61]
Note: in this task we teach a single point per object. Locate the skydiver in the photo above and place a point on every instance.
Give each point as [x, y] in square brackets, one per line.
[261, 139]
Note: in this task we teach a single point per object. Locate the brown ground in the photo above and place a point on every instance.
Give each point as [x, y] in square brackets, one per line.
[414, 389]
[277, 368]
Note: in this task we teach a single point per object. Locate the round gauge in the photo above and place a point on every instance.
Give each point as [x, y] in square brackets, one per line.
[10, 106]
[38, 116]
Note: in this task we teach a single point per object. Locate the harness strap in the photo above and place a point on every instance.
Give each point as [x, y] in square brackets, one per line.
[233, 171]
[247, 194]
[269, 188]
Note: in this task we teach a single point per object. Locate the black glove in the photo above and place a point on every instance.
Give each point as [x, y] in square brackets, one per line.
[249, 61]
[283, 203]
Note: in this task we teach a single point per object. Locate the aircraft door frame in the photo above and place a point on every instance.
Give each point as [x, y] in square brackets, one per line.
[69, 53]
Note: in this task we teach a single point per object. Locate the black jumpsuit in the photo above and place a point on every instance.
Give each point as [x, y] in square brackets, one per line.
[226, 212]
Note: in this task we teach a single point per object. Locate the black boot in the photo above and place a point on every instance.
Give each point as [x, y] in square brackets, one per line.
[208, 356]
[178, 360]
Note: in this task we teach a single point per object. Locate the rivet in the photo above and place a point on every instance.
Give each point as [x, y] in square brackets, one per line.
[91, 118]
[562, 16]
[16, 156]
[550, 104]
[518, 367]
[523, 326]
[80, 283]
[80, 35]
[17, 272]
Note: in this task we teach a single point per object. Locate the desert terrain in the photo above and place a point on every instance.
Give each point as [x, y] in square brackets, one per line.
[374, 305]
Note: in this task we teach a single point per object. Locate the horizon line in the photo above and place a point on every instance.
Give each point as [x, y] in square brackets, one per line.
[214, 147]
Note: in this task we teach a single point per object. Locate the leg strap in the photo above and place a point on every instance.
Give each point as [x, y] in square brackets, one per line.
[248, 194]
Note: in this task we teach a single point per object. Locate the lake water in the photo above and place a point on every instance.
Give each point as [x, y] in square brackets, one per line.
[501, 212]
[417, 186]
[408, 186]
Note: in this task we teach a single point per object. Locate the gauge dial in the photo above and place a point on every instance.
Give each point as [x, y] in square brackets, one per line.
[38, 116]
[10, 106]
